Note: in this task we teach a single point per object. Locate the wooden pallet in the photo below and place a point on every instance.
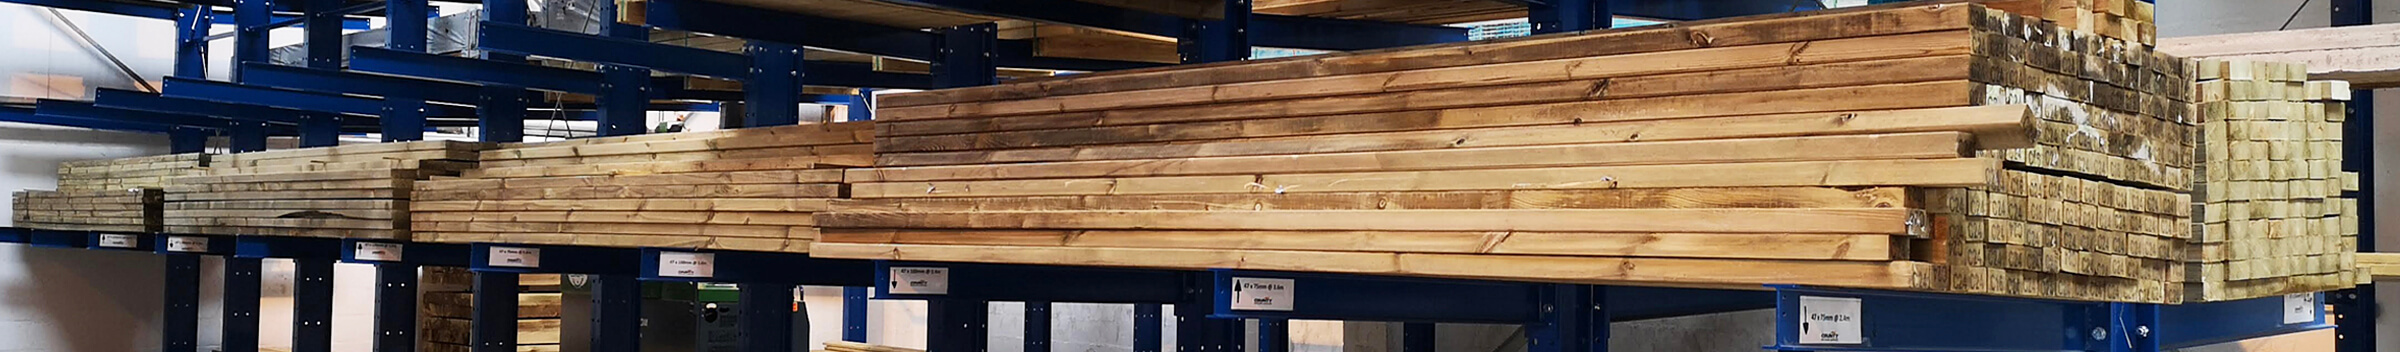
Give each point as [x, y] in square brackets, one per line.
[353, 191]
[2271, 216]
[741, 189]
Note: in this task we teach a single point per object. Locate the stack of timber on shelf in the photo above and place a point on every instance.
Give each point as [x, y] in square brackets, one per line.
[2378, 265]
[352, 191]
[119, 195]
[2366, 56]
[745, 189]
[446, 320]
[2271, 218]
[2124, 20]
[1940, 147]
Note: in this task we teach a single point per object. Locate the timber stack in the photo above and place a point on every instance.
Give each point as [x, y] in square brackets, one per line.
[1944, 147]
[750, 189]
[117, 195]
[352, 191]
[446, 317]
[2271, 216]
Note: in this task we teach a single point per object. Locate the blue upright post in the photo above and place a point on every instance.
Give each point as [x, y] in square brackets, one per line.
[404, 115]
[616, 315]
[495, 316]
[964, 56]
[322, 129]
[191, 40]
[766, 319]
[772, 95]
[181, 325]
[1558, 16]
[1226, 39]
[1037, 326]
[250, 18]
[2355, 310]
[241, 305]
[625, 96]
[1416, 337]
[854, 314]
[395, 307]
[324, 33]
[312, 305]
[862, 106]
[501, 115]
[184, 139]
[1572, 320]
[1149, 327]
[1274, 335]
[249, 136]
[1194, 330]
[956, 325]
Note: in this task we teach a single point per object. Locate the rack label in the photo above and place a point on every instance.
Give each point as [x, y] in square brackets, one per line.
[116, 241]
[687, 264]
[1250, 293]
[187, 244]
[516, 257]
[1831, 320]
[920, 280]
[377, 251]
[2300, 308]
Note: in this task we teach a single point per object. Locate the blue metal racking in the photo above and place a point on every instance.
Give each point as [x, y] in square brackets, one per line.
[395, 88]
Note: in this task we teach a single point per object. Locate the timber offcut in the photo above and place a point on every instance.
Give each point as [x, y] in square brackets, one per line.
[752, 189]
[1952, 147]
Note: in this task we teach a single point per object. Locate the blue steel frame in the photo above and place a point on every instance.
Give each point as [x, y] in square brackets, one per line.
[2356, 310]
[766, 281]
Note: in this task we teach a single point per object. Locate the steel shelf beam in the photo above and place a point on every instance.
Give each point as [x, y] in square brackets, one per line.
[802, 29]
[1267, 30]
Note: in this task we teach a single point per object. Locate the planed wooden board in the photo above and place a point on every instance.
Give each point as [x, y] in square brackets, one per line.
[1936, 172]
[1630, 198]
[1749, 220]
[1638, 271]
[2360, 55]
[1927, 145]
[609, 240]
[648, 168]
[1868, 247]
[653, 204]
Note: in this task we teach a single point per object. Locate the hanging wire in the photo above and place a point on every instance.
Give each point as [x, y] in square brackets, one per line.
[2287, 21]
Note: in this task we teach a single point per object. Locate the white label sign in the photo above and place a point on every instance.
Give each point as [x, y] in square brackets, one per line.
[378, 251]
[2300, 308]
[187, 244]
[1262, 294]
[920, 281]
[116, 241]
[1831, 320]
[516, 257]
[687, 264]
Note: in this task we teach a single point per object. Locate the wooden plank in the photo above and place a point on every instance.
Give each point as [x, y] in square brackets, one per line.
[292, 204]
[1939, 172]
[803, 128]
[1950, 43]
[676, 204]
[1877, 97]
[665, 167]
[1615, 271]
[845, 149]
[789, 139]
[283, 195]
[1925, 145]
[694, 178]
[607, 240]
[1745, 220]
[1729, 81]
[379, 214]
[1871, 247]
[1728, 32]
[1655, 198]
[461, 305]
[621, 228]
[457, 331]
[2358, 54]
[660, 217]
[665, 191]
[299, 176]
[364, 184]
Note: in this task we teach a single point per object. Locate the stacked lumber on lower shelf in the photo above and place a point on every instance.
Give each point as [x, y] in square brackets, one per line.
[353, 191]
[847, 346]
[1940, 147]
[748, 189]
[446, 317]
[120, 195]
[2271, 216]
